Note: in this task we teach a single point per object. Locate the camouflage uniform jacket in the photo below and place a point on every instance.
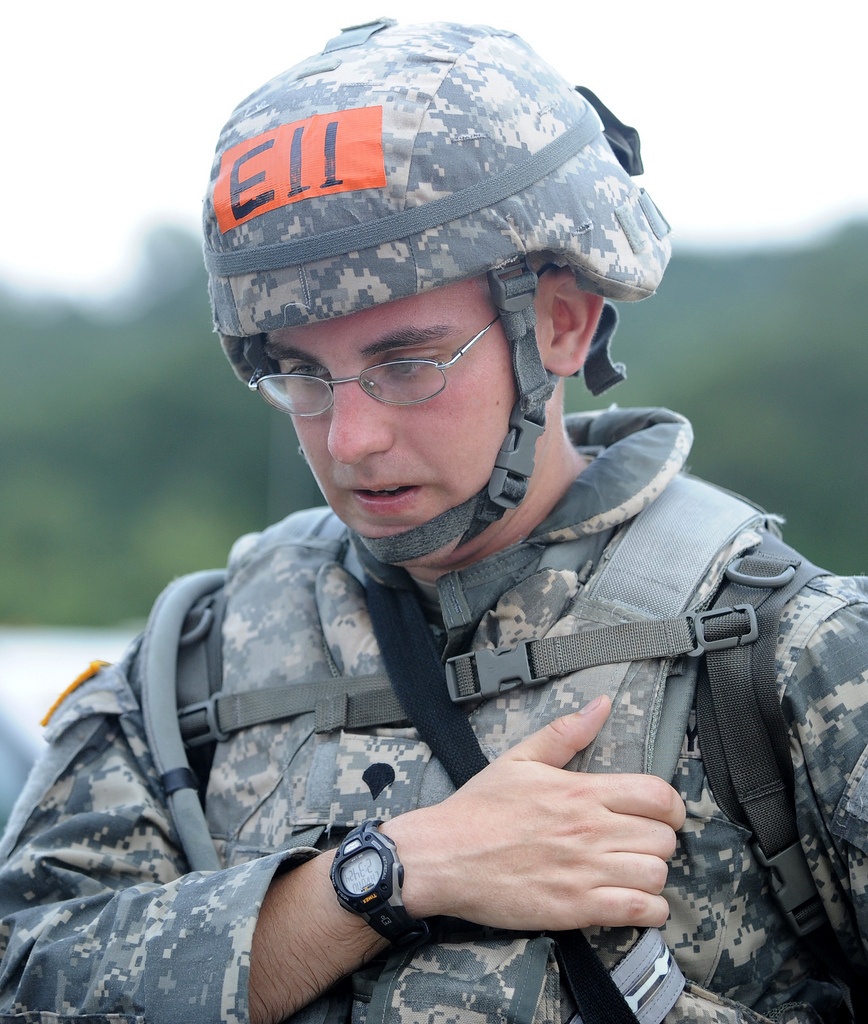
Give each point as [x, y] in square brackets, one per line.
[102, 920]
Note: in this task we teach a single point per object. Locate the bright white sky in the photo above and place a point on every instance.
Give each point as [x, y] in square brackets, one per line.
[752, 114]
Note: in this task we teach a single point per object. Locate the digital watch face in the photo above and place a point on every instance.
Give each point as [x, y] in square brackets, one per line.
[361, 873]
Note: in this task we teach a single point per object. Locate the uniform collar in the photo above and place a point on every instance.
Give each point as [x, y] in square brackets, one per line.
[634, 454]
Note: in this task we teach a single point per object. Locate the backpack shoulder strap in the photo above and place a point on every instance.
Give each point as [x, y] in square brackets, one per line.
[743, 734]
[200, 674]
[671, 547]
[744, 738]
[655, 580]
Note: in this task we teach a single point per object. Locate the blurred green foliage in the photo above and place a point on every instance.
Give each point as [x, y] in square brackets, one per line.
[765, 352]
[130, 453]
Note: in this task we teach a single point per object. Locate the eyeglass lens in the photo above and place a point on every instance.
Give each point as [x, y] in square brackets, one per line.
[400, 382]
[404, 382]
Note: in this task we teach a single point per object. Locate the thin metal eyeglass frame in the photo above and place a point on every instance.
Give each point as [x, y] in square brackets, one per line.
[260, 375]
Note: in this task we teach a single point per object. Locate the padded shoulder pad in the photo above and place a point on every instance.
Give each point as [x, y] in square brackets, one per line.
[311, 524]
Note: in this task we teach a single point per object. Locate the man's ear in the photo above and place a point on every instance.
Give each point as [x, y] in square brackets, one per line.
[566, 320]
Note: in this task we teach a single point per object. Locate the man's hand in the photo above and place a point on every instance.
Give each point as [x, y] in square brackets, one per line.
[523, 845]
[528, 845]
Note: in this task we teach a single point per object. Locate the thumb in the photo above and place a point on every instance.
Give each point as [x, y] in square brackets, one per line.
[559, 741]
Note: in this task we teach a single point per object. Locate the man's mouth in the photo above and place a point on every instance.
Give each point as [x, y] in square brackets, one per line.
[388, 491]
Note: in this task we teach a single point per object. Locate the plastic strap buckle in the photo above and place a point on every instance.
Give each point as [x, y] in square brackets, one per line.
[793, 888]
[515, 458]
[487, 672]
[199, 723]
[704, 644]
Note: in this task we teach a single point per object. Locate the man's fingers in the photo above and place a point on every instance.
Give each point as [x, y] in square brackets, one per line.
[557, 743]
[646, 797]
[617, 907]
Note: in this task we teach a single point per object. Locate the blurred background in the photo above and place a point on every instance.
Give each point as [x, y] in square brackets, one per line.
[129, 452]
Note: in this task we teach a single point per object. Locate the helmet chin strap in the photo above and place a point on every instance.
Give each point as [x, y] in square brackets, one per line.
[512, 290]
[431, 536]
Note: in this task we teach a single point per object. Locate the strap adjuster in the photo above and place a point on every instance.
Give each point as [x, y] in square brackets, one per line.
[793, 888]
[705, 643]
[513, 287]
[199, 723]
[487, 672]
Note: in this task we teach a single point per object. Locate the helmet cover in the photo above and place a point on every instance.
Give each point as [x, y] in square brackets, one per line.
[405, 158]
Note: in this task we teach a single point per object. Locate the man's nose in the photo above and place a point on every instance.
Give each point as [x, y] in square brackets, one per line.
[360, 425]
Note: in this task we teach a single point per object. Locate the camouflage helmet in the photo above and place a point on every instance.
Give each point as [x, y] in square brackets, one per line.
[401, 159]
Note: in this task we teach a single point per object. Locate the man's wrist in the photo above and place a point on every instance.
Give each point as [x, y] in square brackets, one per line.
[368, 877]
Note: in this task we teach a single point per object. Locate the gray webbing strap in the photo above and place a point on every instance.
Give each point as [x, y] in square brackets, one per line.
[482, 194]
[649, 978]
[670, 547]
[309, 837]
[486, 672]
[347, 702]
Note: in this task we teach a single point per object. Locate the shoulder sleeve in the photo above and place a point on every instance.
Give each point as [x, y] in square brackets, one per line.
[97, 913]
[823, 652]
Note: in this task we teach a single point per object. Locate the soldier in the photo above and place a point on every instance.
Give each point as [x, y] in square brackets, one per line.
[410, 238]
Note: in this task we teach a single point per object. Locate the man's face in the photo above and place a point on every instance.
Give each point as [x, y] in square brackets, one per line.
[384, 468]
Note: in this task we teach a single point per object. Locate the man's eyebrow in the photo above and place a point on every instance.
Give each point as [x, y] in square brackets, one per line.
[406, 337]
[403, 337]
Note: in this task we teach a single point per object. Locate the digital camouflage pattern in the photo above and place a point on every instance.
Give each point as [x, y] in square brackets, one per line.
[355, 139]
[99, 918]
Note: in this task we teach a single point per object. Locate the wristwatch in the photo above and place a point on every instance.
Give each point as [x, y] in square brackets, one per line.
[367, 876]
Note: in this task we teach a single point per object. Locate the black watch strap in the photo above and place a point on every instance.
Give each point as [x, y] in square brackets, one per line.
[395, 924]
[375, 894]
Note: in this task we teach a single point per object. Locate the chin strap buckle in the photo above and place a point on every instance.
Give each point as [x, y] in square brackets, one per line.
[514, 463]
[512, 288]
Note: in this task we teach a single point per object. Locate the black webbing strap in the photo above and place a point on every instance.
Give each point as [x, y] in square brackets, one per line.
[744, 739]
[417, 674]
[743, 733]
[200, 667]
[597, 997]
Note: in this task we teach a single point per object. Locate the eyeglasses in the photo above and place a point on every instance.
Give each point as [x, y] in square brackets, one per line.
[399, 382]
